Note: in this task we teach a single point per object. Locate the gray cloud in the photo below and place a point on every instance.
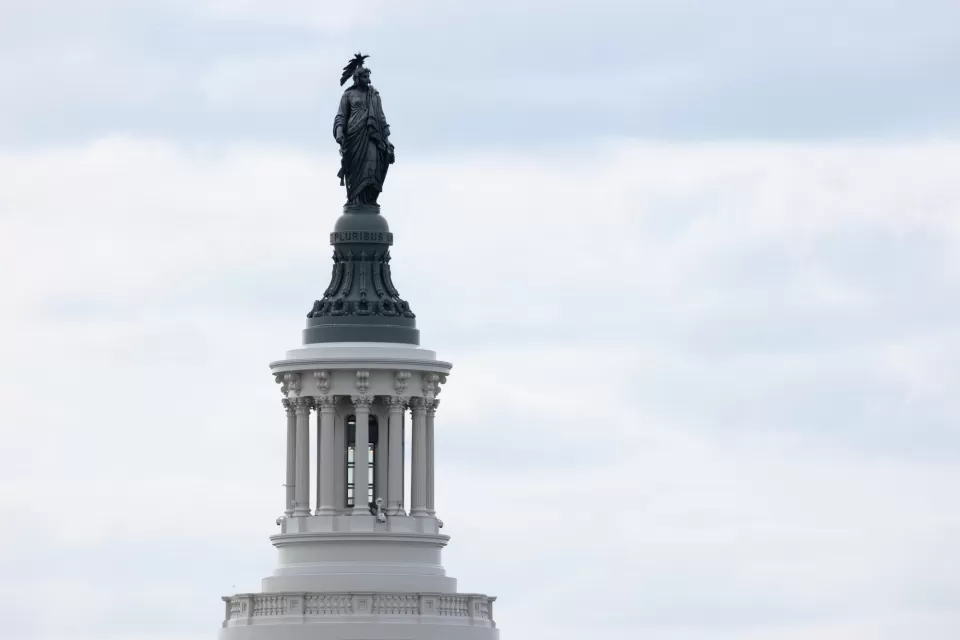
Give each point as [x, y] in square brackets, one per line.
[468, 74]
[707, 390]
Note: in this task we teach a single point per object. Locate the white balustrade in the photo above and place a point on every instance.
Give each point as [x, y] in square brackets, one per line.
[467, 608]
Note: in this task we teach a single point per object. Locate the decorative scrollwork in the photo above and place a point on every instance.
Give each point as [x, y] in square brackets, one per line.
[387, 307]
[335, 277]
[363, 380]
[441, 379]
[363, 306]
[338, 307]
[377, 275]
[362, 280]
[388, 277]
[348, 275]
[430, 383]
[292, 383]
[400, 381]
[361, 285]
[323, 381]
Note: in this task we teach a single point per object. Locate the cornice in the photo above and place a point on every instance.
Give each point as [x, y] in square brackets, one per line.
[310, 364]
[288, 539]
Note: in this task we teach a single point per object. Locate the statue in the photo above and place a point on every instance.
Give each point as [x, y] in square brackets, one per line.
[361, 302]
[362, 132]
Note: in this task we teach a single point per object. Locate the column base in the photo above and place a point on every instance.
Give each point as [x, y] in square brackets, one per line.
[325, 511]
[420, 513]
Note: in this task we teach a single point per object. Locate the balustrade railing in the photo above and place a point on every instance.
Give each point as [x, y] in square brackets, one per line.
[470, 609]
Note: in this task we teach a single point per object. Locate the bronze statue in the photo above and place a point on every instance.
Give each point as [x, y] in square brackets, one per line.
[362, 132]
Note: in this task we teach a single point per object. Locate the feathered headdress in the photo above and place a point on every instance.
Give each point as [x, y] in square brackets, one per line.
[352, 66]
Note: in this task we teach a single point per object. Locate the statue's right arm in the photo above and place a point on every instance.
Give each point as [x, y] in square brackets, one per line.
[340, 121]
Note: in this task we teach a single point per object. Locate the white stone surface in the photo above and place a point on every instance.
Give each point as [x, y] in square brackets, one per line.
[356, 355]
[359, 616]
[395, 498]
[361, 461]
[326, 495]
[291, 476]
[341, 573]
[418, 472]
[301, 504]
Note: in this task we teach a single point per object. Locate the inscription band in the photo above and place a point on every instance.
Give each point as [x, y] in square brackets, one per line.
[377, 237]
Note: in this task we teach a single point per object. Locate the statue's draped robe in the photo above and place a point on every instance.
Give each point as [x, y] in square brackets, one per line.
[365, 149]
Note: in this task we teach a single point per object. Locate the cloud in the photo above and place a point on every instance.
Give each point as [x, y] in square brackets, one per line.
[218, 71]
[700, 390]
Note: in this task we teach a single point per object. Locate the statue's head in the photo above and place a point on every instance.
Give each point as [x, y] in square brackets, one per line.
[361, 77]
[356, 70]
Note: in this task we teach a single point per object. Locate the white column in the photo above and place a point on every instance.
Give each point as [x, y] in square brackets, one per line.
[326, 462]
[382, 460]
[291, 410]
[302, 489]
[317, 456]
[418, 474]
[361, 455]
[340, 455]
[431, 414]
[394, 497]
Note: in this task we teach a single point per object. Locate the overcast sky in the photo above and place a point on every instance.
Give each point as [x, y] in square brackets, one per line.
[695, 263]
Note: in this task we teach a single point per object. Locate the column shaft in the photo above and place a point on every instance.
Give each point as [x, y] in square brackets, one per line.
[418, 475]
[381, 460]
[361, 456]
[340, 456]
[327, 465]
[302, 488]
[318, 456]
[431, 414]
[291, 480]
[394, 497]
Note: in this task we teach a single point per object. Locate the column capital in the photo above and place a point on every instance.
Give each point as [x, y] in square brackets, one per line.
[418, 405]
[395, 403]
[303, 405]
[432, 407]
[362, 401]
[325, 403]
[289, 405]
